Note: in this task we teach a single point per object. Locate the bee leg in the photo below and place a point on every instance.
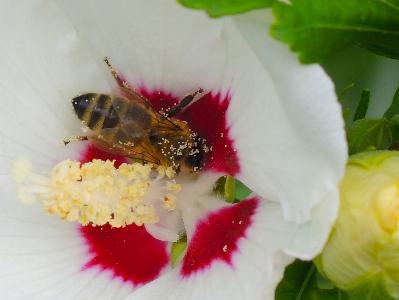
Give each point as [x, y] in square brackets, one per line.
[119, 80]
[183, 103]
[75, 138]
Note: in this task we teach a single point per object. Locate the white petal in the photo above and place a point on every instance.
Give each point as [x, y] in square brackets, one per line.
[158, 44]
[162, 233]
[279, 262]
[267, 248]
[257, 258]
[43, 66]
[290, 134]
[303, 241]
[196, 200]
[41, 257]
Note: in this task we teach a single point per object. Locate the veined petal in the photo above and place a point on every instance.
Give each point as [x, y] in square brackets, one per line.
[222, 253]
[155, 44]
[305, 240]
[42, 258]
[43, 66]
[230, 244]
[296, 150]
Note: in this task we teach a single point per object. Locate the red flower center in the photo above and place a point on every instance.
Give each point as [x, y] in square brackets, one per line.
[206, 117]
[134, 255]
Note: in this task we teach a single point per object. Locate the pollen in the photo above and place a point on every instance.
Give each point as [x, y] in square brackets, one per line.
[170, 202]
[96, 192]
[173, 186]
[168, 171]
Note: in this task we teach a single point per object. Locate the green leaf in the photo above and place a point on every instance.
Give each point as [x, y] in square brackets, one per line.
[344, 91]
[177, 250]
[218, 187]
[324, 283]
[300, 283]
[218, 8]
[395, 132]
[317, 29]
[230, 189]
[363, 105]
[225, 188]
[370, 134]
[393, 109]
[242, 191]
[346, 112]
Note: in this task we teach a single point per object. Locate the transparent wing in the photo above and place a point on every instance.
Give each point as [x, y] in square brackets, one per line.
[138, 119]
[140, 149]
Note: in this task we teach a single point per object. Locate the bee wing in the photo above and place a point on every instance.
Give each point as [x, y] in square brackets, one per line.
[134, 149]
[138, 119]
[134, 96]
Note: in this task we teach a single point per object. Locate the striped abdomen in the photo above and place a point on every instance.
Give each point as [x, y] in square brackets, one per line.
[96, 111]
[101, 111]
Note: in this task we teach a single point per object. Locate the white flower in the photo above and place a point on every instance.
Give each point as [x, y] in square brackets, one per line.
[282, 126]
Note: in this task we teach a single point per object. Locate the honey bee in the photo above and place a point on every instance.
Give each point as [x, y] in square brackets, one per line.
[131, 127]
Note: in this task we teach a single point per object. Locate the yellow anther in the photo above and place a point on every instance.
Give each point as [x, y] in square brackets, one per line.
[96, 192]
[169, 202]
[173, 186]
[170, 172]
[66, 171]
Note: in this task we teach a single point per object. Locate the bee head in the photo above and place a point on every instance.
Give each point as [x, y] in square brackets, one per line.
[195, 160]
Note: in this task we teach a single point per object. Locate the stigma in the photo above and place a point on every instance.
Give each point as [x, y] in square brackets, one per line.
[97, 192]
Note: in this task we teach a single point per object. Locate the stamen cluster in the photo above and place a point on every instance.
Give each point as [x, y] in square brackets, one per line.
[97, 192]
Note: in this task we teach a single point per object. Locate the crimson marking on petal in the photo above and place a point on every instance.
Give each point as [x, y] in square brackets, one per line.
[160, 100]
[207, 117]
[130, 252]
[216, 237]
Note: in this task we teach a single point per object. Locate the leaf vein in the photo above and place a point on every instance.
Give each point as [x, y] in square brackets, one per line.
[345, 28]
[305, 282]
[389, 4]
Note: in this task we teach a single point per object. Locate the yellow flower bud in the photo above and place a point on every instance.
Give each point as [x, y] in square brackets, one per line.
[364, 245]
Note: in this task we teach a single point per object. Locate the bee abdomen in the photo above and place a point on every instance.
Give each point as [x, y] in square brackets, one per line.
[111, 118]
[95, 110]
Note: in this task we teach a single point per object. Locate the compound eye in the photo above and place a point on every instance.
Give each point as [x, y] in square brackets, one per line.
[195, 161]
